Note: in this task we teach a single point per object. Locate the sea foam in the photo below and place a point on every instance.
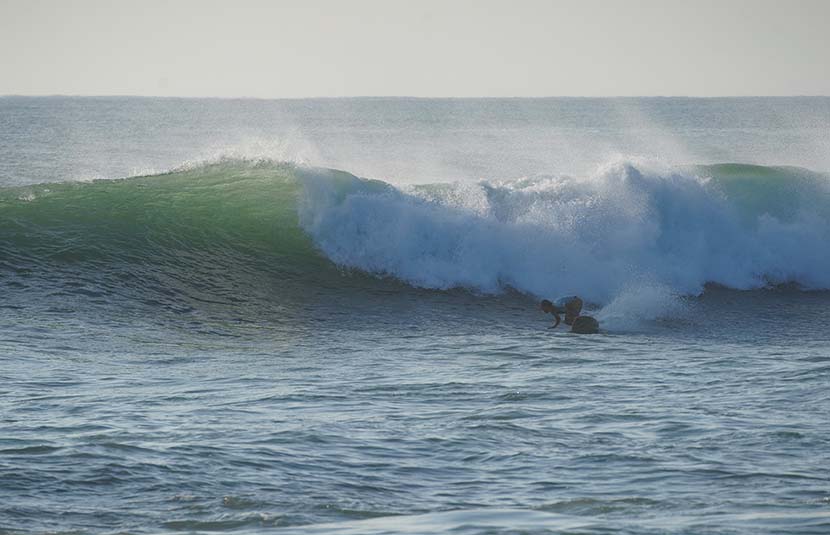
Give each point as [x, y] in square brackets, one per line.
[597, 236]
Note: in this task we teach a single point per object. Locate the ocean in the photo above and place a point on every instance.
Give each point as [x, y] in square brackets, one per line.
[322, 316]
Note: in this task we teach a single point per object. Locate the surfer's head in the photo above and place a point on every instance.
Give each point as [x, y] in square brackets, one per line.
[546, 306]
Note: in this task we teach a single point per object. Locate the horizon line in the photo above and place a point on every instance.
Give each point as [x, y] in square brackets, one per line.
[402, 97]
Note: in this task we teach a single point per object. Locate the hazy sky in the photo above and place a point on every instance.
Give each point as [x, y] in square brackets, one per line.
[287, 48]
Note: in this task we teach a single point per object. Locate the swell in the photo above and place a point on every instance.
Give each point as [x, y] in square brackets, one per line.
[238, 231]
[229, 206]
[222, 237]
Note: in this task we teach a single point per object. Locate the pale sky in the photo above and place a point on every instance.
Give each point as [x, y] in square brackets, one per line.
[319, 48]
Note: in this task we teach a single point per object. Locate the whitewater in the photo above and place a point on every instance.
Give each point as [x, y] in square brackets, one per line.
[321, 316]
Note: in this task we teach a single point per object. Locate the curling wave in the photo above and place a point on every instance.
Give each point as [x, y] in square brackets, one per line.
[216, 226]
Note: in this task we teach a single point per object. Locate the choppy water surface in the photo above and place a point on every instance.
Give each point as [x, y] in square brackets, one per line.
[461, 409]
[250, 346]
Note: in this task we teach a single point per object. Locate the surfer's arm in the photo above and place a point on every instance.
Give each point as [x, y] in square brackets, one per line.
[556, 323]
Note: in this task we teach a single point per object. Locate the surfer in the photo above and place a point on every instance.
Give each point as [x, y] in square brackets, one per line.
[570, 305]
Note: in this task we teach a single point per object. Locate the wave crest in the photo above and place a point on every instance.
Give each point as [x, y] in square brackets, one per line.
[598, 236]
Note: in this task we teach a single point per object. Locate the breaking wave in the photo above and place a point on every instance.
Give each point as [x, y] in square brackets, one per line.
[734, 225]
[212, 229]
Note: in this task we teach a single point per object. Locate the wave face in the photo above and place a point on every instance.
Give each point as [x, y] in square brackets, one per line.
[230, 205]
[218, 240]
[232, 231]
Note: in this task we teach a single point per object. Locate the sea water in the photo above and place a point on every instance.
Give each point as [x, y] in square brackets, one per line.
[321, 316]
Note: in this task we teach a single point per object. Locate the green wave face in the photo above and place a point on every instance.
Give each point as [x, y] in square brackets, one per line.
[222, 209]
[780, 192]
[219, 241]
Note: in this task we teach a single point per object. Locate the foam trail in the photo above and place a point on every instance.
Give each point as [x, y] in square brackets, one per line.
[638, 304]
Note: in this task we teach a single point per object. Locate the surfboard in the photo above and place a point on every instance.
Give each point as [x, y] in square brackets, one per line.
[585, 325]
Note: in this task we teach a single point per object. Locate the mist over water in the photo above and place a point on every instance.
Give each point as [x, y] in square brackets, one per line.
[401, 140]
[212, 322]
